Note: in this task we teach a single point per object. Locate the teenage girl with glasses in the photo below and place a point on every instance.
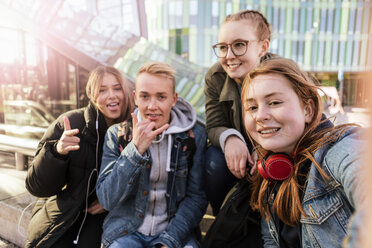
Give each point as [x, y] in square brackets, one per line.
[243, 42]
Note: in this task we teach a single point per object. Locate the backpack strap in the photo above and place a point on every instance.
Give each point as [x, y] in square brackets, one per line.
[125, 136]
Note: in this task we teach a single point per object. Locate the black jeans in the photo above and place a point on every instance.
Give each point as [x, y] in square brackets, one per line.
[219, 179]
[90, 235]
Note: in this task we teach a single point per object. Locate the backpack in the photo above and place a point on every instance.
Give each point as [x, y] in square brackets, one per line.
[236, 225]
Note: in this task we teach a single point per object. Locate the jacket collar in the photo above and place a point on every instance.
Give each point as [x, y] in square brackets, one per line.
[227, 94]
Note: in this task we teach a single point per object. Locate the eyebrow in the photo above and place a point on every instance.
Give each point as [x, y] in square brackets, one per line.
[157, 93]
[108, 86]
[220, 43]
[266, 96]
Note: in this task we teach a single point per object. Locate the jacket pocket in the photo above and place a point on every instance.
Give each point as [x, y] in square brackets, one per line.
[320, 208]
[326, 222]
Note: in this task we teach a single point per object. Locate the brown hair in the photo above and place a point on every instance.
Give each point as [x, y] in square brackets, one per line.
[95, 82]
[263, 31]
[158, 68]
[287, 204]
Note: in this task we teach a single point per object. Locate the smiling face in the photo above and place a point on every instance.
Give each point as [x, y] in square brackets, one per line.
[274, 116]
[237, 67]
[154, 95]
[110, 98]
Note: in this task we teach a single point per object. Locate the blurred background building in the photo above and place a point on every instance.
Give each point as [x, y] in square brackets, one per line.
[329, 38]
[47, 48]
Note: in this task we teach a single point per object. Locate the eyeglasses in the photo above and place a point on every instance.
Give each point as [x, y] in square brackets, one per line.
[238, 48]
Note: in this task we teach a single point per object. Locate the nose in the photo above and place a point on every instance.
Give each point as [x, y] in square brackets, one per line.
[229, 53]
[111, 93]
[152, 103]
[262, 114]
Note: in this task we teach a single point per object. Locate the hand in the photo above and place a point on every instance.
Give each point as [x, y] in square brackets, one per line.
[68, 142]
[95, 208]
[144, 133]
[237, 154]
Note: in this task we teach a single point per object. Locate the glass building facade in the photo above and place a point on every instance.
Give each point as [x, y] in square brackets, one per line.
[331, 38]
[326, 36]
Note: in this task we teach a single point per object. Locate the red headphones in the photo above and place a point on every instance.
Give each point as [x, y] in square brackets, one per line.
[275, 166]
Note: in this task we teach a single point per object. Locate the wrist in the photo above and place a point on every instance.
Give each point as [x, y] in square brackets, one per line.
[56, 153]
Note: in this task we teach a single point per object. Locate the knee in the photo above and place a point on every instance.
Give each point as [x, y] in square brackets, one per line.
[215, 161]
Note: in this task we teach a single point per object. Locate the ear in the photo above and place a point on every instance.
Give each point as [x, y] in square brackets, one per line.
[265, 45]
[134, 97]
[309, 111]
[175, 99]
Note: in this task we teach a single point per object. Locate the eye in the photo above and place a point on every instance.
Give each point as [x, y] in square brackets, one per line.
[102, 90]
[117, 88]
[239, 44]
[143, 96]
[273, 103]
[222, 47]
[162, 97]
[251, 108]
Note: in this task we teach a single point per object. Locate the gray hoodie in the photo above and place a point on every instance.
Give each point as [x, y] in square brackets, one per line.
[183, 118]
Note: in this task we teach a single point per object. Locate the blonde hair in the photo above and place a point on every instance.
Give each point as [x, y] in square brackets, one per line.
[262, 26]
[287, 204]
[95, 81]
[158, 68]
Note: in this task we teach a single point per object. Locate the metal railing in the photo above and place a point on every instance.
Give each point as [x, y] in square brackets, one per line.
[22, 148]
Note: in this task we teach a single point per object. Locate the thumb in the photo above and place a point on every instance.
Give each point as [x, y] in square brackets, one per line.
[134, 119]
[66, 122]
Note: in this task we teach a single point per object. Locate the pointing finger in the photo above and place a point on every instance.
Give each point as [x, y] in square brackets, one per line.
[66, 123]
[161, 129]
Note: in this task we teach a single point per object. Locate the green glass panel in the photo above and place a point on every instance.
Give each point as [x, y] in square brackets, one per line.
[316, 17]
[186, 15]
[289, 18]
[288, 48]
[178, 42]
[344, 17]
[363, 53]
[328, 52]
[235, 6]
[193, 39]
[308, 51]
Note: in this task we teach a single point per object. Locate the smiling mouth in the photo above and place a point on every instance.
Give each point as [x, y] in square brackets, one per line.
[233, 66]
[113, 106]
[269, 131]
[152, 116]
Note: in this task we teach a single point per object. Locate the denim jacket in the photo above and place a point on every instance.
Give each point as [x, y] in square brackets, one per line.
[123, 185]
[328, 205]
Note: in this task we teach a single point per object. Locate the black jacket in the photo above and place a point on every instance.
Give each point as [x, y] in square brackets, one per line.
[60, 181]
[236, 225]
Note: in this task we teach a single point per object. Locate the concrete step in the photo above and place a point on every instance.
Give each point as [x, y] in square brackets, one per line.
[14, 199]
